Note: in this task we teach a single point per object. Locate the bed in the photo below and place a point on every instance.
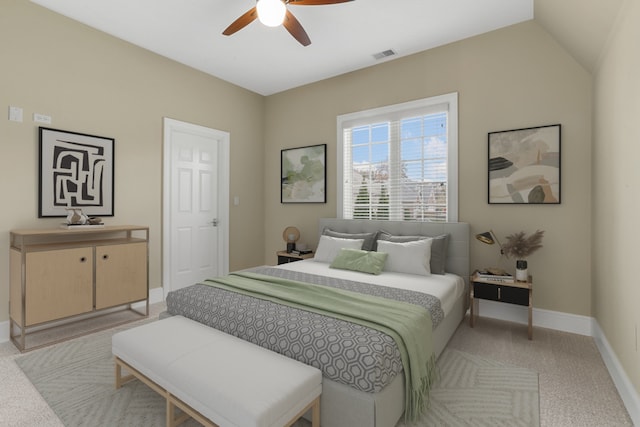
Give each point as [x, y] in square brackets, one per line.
[353, 394]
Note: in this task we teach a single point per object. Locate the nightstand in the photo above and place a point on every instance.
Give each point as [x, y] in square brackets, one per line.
[285, 257]
[519, 293]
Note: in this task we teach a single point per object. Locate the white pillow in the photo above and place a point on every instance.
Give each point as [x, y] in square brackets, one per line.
[408, 257]
[328, 247]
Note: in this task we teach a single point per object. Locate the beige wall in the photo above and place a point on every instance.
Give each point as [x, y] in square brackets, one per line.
[92, 83]
[511, 78]
[616, 184]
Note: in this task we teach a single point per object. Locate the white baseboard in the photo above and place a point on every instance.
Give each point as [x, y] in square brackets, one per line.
[4, 331]
[155, 295]
[582, 325]
[626, 389]
[557, 320]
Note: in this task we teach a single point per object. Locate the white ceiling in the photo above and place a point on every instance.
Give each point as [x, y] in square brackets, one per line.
[344, 37]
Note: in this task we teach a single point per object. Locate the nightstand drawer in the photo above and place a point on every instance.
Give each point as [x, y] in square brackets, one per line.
[494, 292]
[286, 259]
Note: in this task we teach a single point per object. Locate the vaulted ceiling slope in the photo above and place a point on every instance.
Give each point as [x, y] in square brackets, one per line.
[582, 27]
[344, 37]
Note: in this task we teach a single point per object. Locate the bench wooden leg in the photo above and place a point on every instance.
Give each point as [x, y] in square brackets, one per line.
[120, 380]
[314, 405]
[172, 421]
[171, 413]
[188, 412]
[315, 413]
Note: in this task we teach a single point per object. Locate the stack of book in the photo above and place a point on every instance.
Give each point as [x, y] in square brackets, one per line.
[66, 226]
[295, 252]
[494, 276]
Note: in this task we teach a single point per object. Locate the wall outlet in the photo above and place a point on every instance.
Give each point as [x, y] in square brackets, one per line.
[41, 118]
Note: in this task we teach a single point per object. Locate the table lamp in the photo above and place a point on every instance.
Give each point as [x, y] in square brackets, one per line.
[291, 235]
[489, 238]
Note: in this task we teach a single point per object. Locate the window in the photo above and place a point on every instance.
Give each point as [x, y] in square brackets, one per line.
[400, 162]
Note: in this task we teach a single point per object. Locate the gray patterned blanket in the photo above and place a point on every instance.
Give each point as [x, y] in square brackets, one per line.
[348, 353]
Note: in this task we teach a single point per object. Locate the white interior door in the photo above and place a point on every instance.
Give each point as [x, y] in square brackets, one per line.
[195, 212]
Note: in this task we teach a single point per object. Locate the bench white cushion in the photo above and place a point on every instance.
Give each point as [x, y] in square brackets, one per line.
[228, 380]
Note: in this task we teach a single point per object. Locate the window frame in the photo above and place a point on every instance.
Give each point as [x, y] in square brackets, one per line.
[396, 112]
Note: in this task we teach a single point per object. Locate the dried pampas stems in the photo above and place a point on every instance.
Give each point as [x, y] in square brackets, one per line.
[519, 246]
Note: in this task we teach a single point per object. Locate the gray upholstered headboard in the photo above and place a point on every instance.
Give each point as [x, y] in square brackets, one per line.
[458, 251]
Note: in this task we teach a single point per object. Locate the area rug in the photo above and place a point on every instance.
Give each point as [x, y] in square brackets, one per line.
[76, 379]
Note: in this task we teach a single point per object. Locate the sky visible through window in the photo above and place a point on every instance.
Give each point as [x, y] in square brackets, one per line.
[423, 146]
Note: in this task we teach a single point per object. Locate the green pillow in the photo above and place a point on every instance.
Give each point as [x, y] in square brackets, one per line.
[359, 260]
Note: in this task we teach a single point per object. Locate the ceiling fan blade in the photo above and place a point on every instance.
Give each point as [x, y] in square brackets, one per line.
[295, 29]
[241, 22]
[315, 2]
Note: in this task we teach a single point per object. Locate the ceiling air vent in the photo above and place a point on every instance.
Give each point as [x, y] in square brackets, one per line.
[384, 54]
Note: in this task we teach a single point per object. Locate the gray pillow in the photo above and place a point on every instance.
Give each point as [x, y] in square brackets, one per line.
[439, 247]
[369, 243]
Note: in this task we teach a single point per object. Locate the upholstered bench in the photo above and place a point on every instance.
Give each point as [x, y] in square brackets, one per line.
[216, 378]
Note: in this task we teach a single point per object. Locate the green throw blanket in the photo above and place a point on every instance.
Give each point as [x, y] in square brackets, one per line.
[408, 324]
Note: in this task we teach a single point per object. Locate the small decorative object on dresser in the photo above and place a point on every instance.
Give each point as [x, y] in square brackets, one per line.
[76, 219]
[76, 216]
[519, 246]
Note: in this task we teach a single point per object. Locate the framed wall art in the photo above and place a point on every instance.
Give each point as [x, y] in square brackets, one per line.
[303, 174]
[76, 170]
[524, 166]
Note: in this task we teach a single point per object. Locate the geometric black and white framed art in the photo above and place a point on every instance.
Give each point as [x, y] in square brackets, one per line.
[76, 170]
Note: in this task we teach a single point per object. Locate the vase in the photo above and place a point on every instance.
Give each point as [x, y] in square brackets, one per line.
[521, 270]
[75, 216]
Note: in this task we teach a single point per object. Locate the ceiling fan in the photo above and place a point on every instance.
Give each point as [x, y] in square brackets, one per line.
[274, 13]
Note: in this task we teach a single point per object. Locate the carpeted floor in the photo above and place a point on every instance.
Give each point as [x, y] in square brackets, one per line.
[575, 389]
[76, 379]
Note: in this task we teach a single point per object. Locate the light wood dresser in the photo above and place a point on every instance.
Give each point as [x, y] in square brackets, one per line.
[69, 274]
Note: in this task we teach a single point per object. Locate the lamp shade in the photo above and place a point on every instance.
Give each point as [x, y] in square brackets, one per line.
[291, 234]
[486, 237]
[490, 238]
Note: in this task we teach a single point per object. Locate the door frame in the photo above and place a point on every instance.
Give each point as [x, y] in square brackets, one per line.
[170, 125]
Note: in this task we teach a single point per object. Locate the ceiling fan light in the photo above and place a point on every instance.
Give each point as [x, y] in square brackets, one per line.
[271, 12]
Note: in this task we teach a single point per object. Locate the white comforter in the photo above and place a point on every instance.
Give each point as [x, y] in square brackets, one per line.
[447, 288]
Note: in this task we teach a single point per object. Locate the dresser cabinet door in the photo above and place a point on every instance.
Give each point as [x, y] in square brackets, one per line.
[121, 274]
[59, 284]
